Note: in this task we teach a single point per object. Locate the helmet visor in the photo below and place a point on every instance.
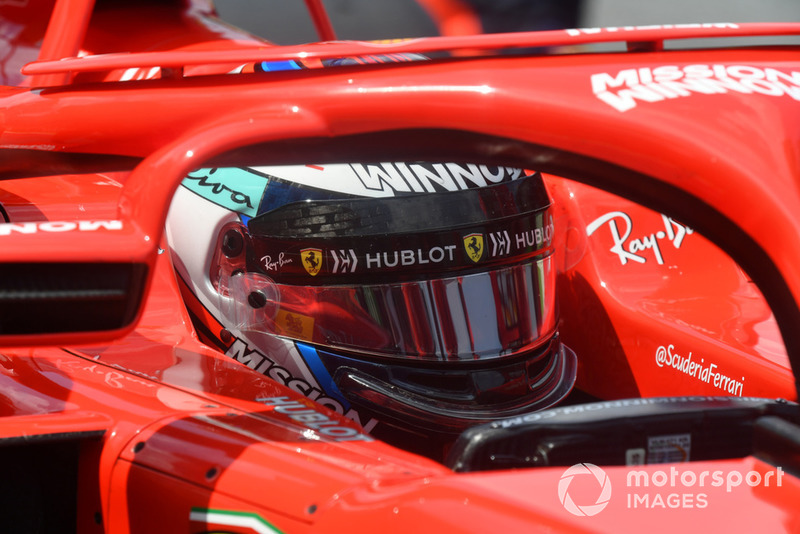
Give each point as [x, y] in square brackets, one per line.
[477, 316]
[461, 276]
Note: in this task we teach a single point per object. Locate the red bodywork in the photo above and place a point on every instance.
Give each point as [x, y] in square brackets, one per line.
[153, 431]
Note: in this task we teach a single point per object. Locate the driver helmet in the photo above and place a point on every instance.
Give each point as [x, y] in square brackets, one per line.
[416, 298]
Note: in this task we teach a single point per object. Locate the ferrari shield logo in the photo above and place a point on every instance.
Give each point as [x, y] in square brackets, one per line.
[312, 260]
[473, 244]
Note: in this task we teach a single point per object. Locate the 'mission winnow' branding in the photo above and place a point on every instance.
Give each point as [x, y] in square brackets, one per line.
[625, 89]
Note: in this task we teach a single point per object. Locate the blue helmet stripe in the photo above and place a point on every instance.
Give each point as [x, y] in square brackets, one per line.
[311, 357]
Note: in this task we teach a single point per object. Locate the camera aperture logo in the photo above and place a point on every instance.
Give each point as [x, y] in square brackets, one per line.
[584, 470]
[585, 489]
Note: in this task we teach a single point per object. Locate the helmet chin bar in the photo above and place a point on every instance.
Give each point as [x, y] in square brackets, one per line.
[449, 399]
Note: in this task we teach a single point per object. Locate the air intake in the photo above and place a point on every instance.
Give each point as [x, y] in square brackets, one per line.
[51, 298]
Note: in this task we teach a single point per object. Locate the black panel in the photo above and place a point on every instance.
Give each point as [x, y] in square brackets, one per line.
[607, 433]
[45, 298]
[39, 493]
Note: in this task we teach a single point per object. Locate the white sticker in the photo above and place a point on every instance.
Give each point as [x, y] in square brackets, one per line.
[669, 448]
[635, 456]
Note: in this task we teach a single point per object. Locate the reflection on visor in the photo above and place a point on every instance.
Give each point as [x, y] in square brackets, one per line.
[473, 317]
[367, 216]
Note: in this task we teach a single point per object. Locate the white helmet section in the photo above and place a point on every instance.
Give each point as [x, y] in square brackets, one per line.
[193, 226]
[387, 179]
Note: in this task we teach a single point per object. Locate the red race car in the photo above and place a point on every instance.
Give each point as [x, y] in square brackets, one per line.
[454, 283]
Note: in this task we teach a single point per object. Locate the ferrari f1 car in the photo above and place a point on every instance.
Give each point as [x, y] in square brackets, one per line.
[454, 283]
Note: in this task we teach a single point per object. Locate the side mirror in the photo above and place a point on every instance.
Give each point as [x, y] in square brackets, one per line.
[47, 299]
